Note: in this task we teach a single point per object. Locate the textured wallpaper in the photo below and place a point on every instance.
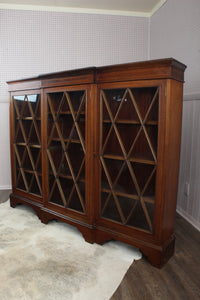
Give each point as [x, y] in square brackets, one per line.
[175, 32]
[179, 21]
[33, 42]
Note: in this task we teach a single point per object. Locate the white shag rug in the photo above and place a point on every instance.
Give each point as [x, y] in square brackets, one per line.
[53, 262]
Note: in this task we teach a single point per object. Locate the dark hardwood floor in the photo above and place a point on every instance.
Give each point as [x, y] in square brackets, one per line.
[179, 279]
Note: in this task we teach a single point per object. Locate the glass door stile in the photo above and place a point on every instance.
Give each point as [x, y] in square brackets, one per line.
[66, 148]
[128, 155]
[27, 143]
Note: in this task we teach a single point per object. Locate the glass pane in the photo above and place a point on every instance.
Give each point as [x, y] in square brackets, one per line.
[143, 98]
[27, 143]
[128, 134]
[111, 103]
[112, 145]
[75, 203]
[76, 156]
[110, 211]
[77, 100]
[127, 204]
[129, 155]
[143, 173]
[138, 218]
[141, 148]
[127, 110]
[66, 149]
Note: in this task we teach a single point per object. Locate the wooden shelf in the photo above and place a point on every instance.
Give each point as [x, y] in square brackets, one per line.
[29, 144]
[122, 122]
[139, 159]
[131, 122]
[35, 146]
[62, 175]
[147, 199]
[142, 160]
[39, 173]
[73, 141]
[28, 118]
[68, 113]
[130, 196]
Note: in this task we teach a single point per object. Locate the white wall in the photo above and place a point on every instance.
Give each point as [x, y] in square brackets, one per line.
[33, 42]
[175, 32]
[189, 205]
[5, 172]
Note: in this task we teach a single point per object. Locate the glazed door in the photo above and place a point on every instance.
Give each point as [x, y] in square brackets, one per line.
[67, 150]
[128, 155]
[26, 143]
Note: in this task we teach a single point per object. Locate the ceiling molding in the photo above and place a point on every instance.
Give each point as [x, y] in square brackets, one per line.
[82, 10]
[159, 5]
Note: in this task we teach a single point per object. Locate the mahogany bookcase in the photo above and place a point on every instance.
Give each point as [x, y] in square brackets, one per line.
[98, 148]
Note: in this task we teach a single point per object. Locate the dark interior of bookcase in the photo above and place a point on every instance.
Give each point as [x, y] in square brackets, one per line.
[27, 143]
[66, 149]
[128, 154]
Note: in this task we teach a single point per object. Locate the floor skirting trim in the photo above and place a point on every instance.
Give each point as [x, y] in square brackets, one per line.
[189, 218]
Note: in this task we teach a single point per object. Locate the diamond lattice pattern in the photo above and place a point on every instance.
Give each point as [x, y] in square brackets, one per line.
[27, 143]
[66, 149]
[128, 155]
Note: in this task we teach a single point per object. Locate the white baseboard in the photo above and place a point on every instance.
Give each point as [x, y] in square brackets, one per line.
[5, 187]
[188, 217]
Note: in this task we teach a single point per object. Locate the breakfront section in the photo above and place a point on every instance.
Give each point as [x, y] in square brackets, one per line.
[137, 159]
[66, 149]
[128, 153]
[67, 153]
[51, 127]
[98, 148]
